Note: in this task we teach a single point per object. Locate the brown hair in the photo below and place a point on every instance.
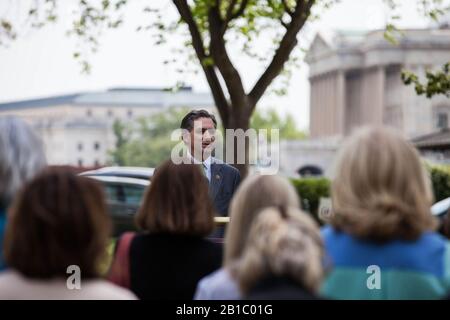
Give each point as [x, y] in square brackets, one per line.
[381, 190]
[177, 201]
[59, 219]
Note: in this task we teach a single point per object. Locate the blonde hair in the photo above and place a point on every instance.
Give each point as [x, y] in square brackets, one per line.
[254, 193]
[381, 190]
[282, 242]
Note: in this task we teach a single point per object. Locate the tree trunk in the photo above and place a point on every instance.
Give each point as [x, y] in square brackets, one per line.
[237, 120]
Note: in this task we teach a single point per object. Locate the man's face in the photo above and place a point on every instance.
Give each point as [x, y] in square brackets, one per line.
[202, 137]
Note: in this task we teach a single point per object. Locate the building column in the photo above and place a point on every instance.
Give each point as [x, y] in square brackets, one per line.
[379, 94]
[340, 103]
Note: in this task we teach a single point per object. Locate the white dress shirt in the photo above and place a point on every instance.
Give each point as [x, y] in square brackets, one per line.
[206, 165]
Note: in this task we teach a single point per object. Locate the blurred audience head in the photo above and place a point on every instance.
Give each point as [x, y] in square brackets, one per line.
[255, 193]
[381, 190]
[282, 242]
[21, 156]
[177, 201]
[59, 219]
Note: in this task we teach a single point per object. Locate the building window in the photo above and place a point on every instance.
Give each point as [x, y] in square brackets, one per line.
[80, 146]
[110, 113]
[96, 163]
[130, 113]
[96, 146]
[80, 162]
[442, 120]
[89, 112]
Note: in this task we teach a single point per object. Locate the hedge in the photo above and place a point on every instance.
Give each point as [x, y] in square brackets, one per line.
[440, 179]
[311, 190]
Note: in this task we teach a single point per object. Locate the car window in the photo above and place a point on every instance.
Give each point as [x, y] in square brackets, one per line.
[114, 192]
[124, 193]
[133, 194]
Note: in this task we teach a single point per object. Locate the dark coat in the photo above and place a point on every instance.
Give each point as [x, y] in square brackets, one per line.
[224, 181]
[279, 288]
[169, 266]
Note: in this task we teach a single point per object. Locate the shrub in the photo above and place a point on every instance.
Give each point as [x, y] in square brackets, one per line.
[440, 179]
[310, 191]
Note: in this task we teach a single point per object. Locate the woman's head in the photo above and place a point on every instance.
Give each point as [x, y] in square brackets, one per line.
[21, 156]
[282, 242]
[381, 190]
[59, 219]
[255, 193]
[177, 201]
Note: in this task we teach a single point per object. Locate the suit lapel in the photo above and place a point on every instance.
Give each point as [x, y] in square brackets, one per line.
[216, 178]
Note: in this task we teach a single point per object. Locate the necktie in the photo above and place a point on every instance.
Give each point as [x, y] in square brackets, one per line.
[205, 169]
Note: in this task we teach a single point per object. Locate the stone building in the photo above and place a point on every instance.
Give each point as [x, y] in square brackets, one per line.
[355, 80]
[77, 129]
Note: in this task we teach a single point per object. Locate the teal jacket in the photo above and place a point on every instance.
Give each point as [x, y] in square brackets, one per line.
[2, 232]
[397, 269]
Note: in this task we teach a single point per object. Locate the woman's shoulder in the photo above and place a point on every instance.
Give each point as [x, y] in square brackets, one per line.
[219, 285]
[104, 290]
[427, 240]
[15, 286]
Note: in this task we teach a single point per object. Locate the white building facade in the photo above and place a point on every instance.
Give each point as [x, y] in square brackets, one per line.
[356, 80]
[77, 129]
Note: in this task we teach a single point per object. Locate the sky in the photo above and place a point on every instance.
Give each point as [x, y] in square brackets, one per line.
[40, 63]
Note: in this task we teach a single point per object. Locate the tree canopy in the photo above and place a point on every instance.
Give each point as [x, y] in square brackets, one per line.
[217, 33]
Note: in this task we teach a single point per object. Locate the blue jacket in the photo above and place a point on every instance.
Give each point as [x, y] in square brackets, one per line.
[2, 232]
[398, 269]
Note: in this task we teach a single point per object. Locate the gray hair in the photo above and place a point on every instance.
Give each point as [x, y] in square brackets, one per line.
[21, 156]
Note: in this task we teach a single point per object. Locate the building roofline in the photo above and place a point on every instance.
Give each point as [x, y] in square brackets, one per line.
[101, 99]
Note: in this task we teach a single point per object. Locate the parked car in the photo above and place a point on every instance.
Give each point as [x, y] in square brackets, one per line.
[441, 210]
[127, 172]
[123, 197]
[124, 189]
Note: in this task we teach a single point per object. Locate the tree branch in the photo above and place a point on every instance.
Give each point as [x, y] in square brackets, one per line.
[241, 10]
[286, 7]
[231, 16]
[284, 24]
[230, 9]
[221, 59]
[287, 44]
[210, 73]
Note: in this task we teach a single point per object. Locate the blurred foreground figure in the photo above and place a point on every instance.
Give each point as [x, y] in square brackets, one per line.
[21, 157]
[381, 239]
[55, 240]
[170, 254]
[254, 194]
[283, 257]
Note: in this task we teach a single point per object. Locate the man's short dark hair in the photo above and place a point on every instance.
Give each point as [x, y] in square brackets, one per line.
[188, 120]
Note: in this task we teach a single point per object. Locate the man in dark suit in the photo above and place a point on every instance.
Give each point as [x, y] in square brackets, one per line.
[199, 128]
